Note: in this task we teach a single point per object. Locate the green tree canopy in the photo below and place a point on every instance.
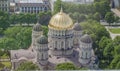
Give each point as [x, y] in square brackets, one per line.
[117, 50]
[16, 37]
[57, 6]
[114, 62]
[4, 20]
[65, 66]
[27, 66]
[109, 17]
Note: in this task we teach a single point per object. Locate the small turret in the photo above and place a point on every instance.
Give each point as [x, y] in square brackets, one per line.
[42, 50]
[36, 32]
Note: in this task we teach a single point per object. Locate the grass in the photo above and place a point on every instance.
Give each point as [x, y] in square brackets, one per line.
[5, 56]
[6, 64]
[115, 30]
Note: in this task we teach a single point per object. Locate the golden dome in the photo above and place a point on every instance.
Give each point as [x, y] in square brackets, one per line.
[61, 21]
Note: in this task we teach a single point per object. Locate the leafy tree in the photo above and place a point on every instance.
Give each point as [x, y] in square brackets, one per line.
[4, 20]
[57, 6]
[117, 19]
[97, 16]
[44, 17]
[45, 30]
[65, 66]
[13, 19]
[27, 66]
[109, 17]
[12, 31]
[118, 65]
[117, 40]
[8, 43]
[102, 7]
[16, 37]
[117, 50]
[114, 62]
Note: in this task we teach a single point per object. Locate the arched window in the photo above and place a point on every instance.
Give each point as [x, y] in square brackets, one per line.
[82, 55]
[62, 44]
[42, 56]
[45, 9]
[86, 55]
[55, 44]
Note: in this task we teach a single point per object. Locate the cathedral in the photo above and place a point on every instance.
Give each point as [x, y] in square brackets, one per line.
[65, 43]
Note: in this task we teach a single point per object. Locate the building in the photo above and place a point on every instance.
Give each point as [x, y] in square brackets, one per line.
[72, 1]
[32, 6]
[115, 3]
[79, 1]
[65, 43]
[4, 5]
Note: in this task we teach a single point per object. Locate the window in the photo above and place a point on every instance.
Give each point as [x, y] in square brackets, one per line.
[62, 43]
[86, 55]
[45, 9]
[55, 44]
[42, 56]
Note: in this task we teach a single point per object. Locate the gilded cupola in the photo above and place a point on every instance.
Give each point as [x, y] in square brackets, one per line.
[61, 21]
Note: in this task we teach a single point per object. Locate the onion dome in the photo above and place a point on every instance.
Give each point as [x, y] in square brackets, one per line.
[86, 39]
[77, 27]
[42, 40]
[61, 21]
[37, 27]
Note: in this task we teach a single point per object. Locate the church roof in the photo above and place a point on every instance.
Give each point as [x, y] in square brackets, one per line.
[37, 27]
[77, 27]
[86, 39]
[42, 40]
[61, 21]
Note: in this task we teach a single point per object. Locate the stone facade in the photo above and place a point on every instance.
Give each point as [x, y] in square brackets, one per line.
[115, 3]
[4, 5]
[65, 43]
[33, 6]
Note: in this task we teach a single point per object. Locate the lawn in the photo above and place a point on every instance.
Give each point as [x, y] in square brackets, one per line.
[5, 64]
[5, 56]
[115, 30]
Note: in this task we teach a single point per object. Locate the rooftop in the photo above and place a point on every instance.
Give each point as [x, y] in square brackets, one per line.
[31, 1]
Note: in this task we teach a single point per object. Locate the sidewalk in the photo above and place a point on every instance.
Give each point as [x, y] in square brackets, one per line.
[116, 11]
[112, 35]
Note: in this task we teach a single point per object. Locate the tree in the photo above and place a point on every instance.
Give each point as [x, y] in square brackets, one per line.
[117, 50]
[102, 7]
[108, 52]
[44, 17]
[114, 62]
[117, 19]
[57, 6]
[45, 30]
[116, 40]
[27, 66]
[4, 23]
[8, 43]
[16, 37]
[118, 65]
[97, 16]
[65, 66]
[109, 17]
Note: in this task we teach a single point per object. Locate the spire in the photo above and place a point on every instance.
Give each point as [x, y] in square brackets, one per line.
[61, 10]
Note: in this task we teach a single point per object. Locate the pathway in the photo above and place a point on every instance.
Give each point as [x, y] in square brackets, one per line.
[4, 60]
[112, 34]
[116, 11]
